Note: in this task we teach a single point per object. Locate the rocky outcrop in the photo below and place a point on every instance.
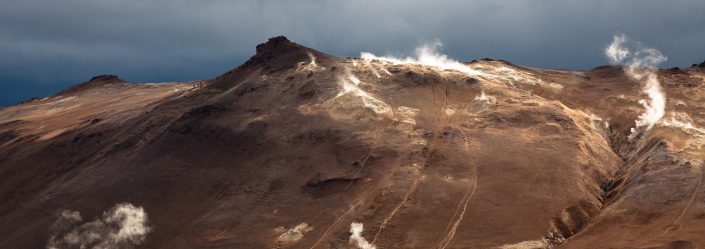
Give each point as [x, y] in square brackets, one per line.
[94, 82]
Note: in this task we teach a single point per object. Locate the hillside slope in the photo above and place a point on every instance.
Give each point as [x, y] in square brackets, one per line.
[290, 148]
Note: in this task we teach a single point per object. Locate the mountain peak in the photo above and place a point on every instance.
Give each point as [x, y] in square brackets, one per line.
[275, 43]
[276, 54]
[106, 78]
[274, 47]
[95, 81]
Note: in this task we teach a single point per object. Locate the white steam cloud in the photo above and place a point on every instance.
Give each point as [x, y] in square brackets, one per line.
[356, 237]
[313, 59]
[349, 83]
[615, 51]
[427, 55]
[121, 227]
[640, 66]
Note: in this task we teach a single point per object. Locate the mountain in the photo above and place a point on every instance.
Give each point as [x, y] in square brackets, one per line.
[299, 149]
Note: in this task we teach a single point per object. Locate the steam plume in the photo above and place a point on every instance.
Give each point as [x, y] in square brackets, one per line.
[356, 237]
[313, 59]
[349, 84]
[121, 227]
[615, 51]
[427, 55]
[372, 68]
[640, 66]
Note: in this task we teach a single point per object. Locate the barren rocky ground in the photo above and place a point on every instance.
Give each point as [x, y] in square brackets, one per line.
[291, 148]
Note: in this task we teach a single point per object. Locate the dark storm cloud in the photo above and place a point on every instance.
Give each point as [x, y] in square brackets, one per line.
[46, 45]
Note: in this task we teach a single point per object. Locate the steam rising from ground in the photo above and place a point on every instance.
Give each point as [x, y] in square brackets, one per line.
[123, 226]
[313, 59]
[640, 66]
[427, 55]
[350, 85]
[356, 237]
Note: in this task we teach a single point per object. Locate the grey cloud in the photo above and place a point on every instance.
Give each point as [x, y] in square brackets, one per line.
[47, 45]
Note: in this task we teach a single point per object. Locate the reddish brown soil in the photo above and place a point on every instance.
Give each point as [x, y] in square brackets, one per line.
[418, 159]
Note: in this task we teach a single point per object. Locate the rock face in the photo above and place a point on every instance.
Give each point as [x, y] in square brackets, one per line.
[292, 147]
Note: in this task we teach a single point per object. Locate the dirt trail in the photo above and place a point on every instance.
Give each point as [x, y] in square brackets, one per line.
[411, 190]
[462, 207]
[335, 224]
[418, 173]
[377, 140]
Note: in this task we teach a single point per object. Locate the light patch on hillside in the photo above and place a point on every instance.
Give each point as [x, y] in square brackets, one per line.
[481, 102]
[684, 122]
[511, 76]
[349, 85]
[310, 66]
[293, 234]
[407, 114]
[530, 244]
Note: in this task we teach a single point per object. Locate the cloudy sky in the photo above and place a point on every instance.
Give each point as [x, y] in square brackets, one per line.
[47, 45]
